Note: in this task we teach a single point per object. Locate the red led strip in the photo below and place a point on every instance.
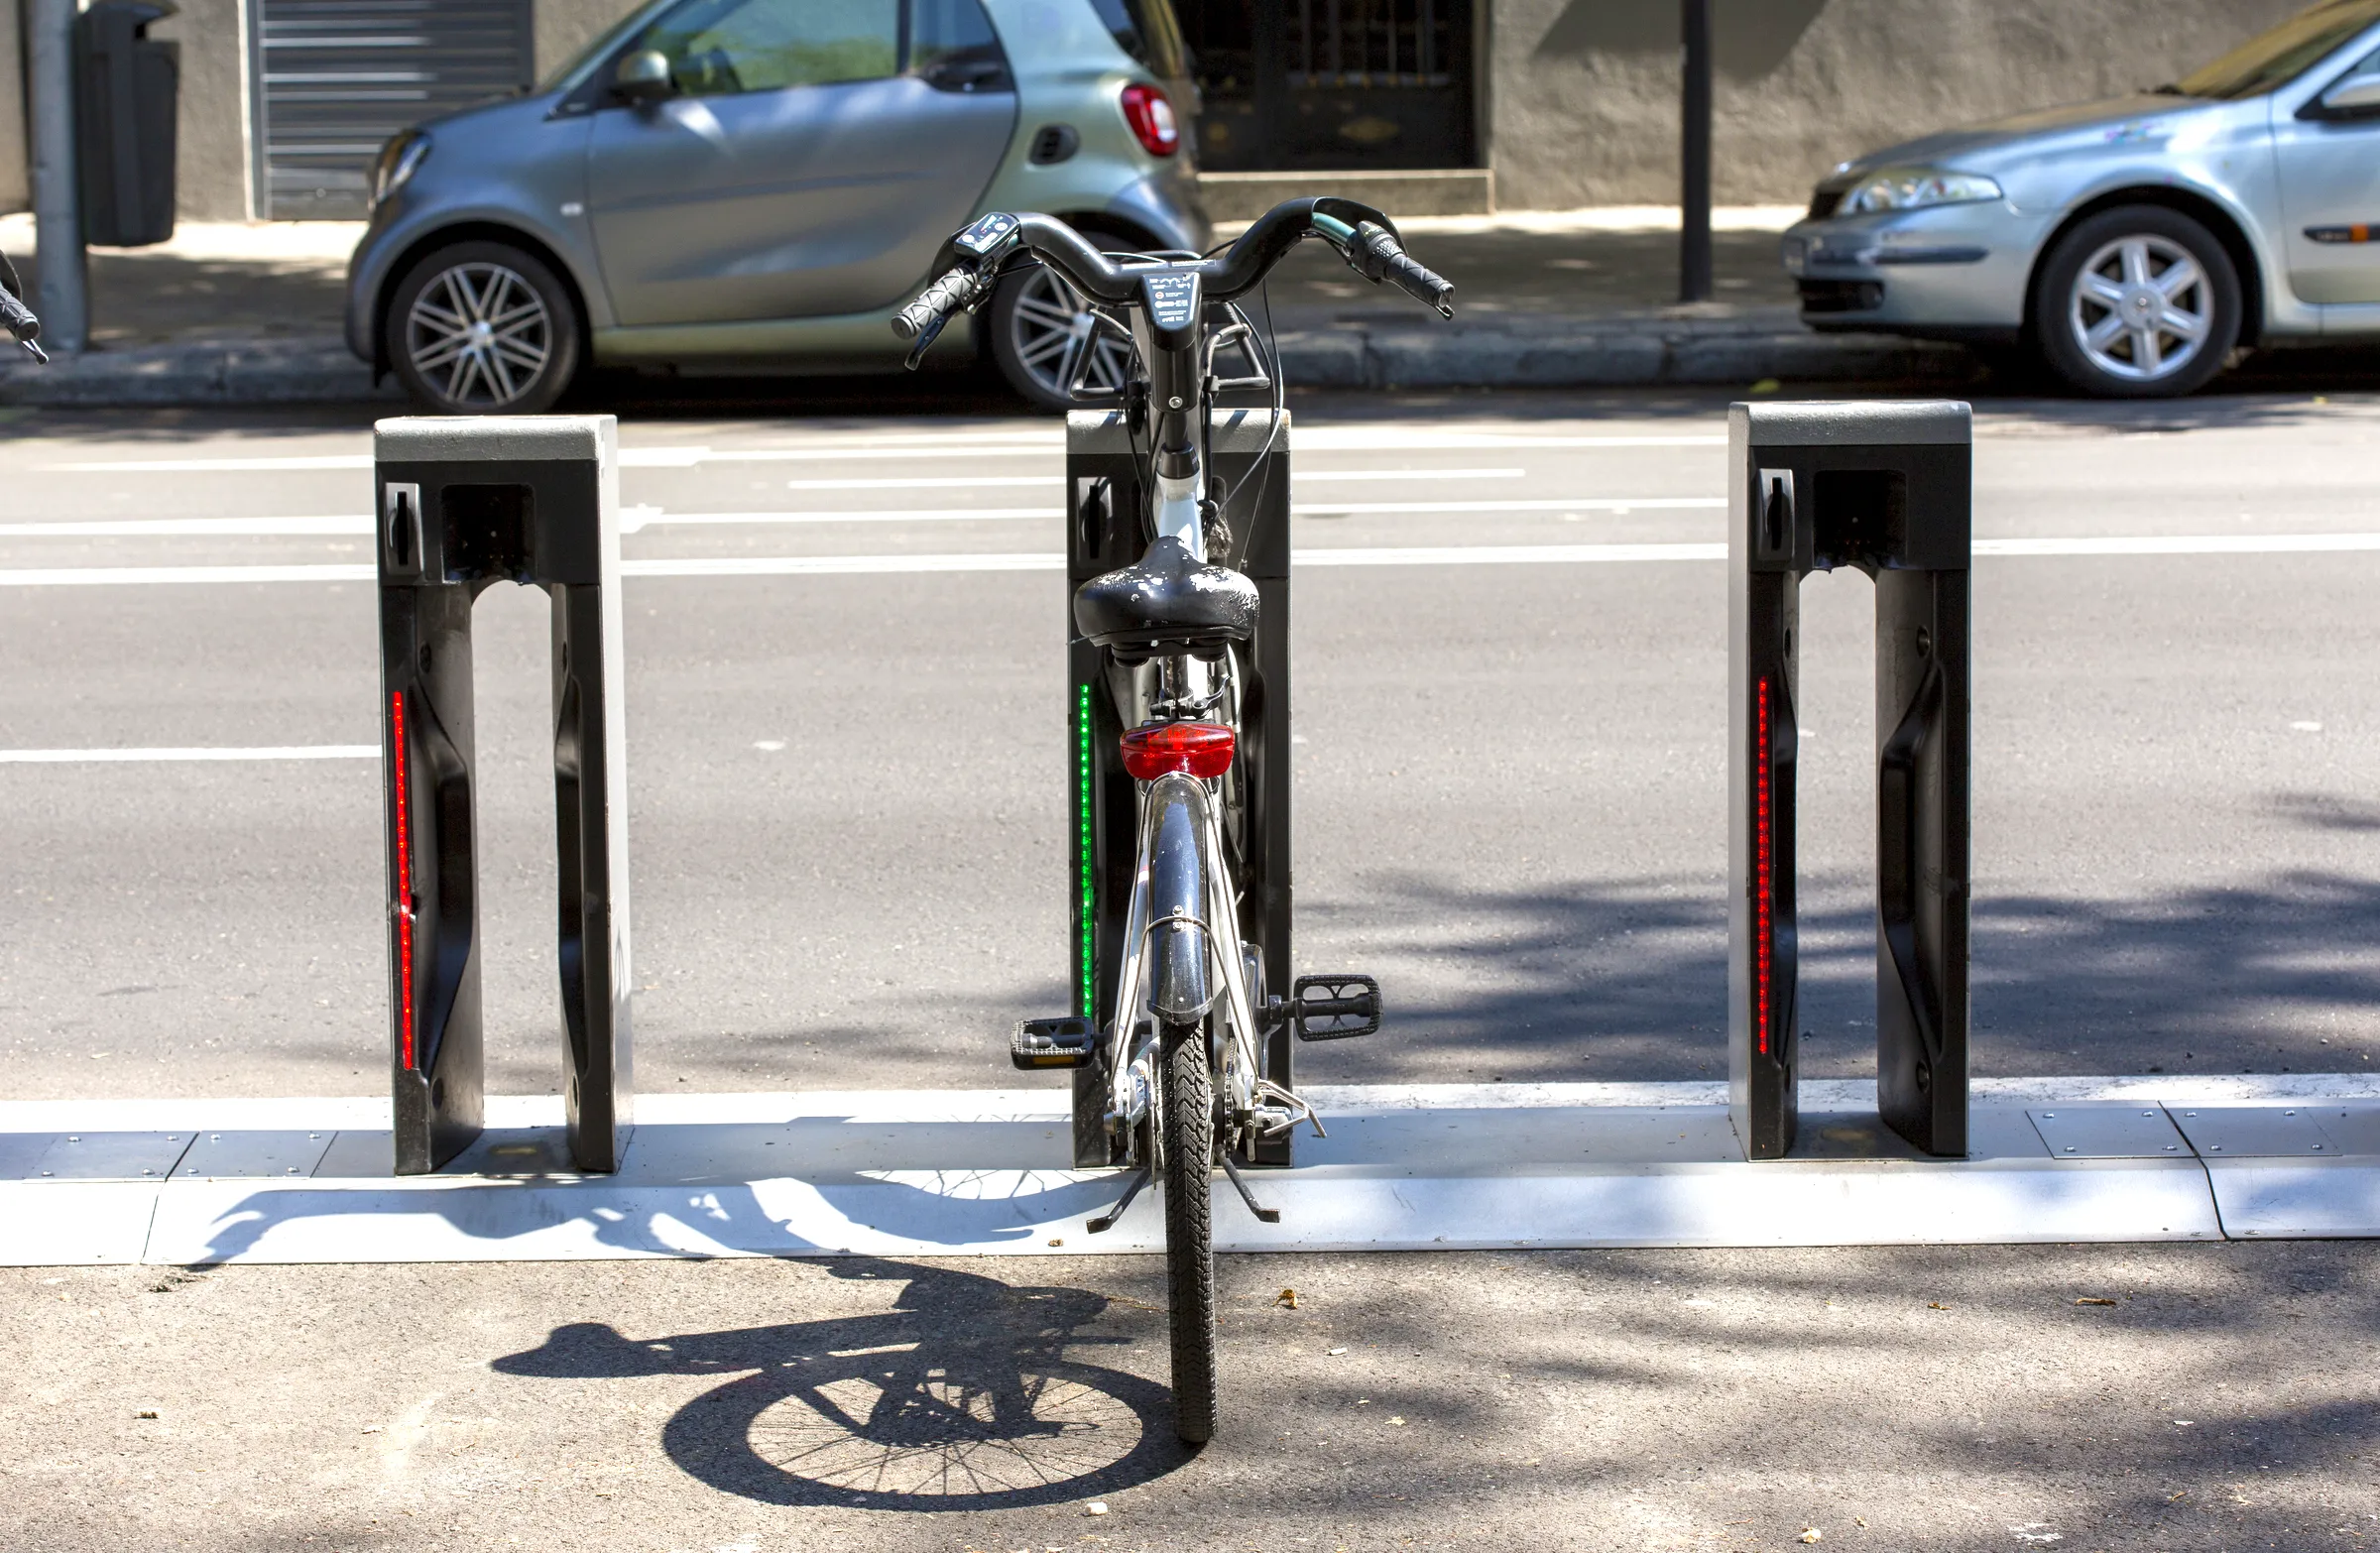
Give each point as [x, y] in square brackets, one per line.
[404, 882]
[1763, 877]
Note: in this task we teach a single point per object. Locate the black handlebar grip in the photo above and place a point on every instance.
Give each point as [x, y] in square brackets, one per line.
[1376, 256]
[17, 319]
[934, 304]
[1423, 286]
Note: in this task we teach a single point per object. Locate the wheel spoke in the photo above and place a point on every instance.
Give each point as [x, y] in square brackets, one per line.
[2105, 333]
[2099, 288]
[2148, 354]
[440, 354]
[1044, 347]
[2136, 261]
[2178, 277]
[2190, 326]
[1043, 313]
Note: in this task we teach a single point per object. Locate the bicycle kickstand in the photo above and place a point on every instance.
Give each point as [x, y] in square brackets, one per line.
[1263, 1215]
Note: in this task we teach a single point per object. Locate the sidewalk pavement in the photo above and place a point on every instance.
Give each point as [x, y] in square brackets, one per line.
[250, 313]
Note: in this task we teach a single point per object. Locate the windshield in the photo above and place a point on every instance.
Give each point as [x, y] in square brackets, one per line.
[601, 45]
[2280, 55]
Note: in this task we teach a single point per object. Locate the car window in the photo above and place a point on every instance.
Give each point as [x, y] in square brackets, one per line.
[716, 47]
[952, 44]
[1149, 32]
[2282, 54]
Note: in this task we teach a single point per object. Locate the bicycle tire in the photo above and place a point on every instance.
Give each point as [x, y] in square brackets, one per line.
[1188, 1102]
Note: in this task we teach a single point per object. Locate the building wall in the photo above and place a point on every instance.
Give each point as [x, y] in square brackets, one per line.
[210, 153]
[566, 26]
[14, 159]
[1584, 93]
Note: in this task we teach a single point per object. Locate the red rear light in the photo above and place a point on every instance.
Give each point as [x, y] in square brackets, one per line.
[1151, 118]
[1203, 750]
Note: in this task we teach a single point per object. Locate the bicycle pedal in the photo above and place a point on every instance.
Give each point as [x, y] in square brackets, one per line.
[1069, 1043]
[1335, 1007]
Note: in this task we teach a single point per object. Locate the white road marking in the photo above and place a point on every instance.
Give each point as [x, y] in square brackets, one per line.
[954, 445]
[290, 751]
[967, 482]
[130, 528]
[1417, 555]
[1550, 503]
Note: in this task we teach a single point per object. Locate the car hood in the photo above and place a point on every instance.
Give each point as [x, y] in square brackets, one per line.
[496, 116]
[1975, 146]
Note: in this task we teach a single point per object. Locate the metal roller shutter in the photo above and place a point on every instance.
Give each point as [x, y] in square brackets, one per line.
[335, 78]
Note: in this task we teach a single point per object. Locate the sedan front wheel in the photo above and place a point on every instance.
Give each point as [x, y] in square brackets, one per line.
[2137, 302]
[483, 328]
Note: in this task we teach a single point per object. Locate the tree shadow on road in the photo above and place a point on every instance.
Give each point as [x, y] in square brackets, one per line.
[1627, 979]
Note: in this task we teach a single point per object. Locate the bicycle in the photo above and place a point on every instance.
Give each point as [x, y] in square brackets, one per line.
[1180, 1046]
[16, 317]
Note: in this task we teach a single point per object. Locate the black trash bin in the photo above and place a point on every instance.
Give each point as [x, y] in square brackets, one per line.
[127, 88]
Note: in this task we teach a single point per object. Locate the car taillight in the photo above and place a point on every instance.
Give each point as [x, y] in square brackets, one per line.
[1151, 118]
[1203, 750]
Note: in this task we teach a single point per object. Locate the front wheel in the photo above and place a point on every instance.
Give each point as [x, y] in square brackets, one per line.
[1187, 1103]
[2137, 302]
[483, 328]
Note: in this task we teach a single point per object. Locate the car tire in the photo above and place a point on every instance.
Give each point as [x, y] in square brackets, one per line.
[2137, 302]
[484, 328]
[1038, 323]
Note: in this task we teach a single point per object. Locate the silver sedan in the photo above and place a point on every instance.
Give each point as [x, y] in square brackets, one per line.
[2136, 243]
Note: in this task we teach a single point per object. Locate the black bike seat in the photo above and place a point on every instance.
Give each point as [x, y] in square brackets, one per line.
[1166, 599]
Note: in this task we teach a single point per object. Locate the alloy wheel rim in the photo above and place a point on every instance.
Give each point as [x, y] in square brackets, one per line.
[2142, 308]
[480, 334]
[1053, 326]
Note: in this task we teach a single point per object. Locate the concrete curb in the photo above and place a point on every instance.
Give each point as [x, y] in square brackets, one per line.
[298, 371]
[1618, 353]
[1355, 353]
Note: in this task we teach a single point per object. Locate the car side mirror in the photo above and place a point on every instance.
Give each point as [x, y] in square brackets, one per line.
[2357, 96]
[643, 77]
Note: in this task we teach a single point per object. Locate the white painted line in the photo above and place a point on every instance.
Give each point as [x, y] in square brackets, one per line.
[953, 445]
[1551, 504]
[291, 752]
[117, 576]
[636, 520]
[1509, 555]
[969, 481]
[1418, 555]
[837, 565]
[2183, 545]
[128, 527]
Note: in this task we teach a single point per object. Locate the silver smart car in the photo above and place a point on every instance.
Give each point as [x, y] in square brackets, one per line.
[2132, 243]
[724, 185]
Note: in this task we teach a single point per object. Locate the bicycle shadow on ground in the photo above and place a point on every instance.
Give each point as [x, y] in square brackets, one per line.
[961, 1397]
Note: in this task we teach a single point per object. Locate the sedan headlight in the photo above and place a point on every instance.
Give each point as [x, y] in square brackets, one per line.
[396, 165]
[1910, 188]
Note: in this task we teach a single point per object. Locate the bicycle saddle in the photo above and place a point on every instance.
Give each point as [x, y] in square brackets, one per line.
[1166, 599]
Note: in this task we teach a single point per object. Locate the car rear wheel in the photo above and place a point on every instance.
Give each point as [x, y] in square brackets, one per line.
[483, 328]
[2137, 302]
[1043, 329]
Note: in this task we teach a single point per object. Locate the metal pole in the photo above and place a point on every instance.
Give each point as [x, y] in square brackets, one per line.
[63, 290]
[1694, 237]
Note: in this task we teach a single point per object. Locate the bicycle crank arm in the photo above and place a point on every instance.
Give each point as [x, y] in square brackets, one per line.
[1263, 1215]
[1107, 1221]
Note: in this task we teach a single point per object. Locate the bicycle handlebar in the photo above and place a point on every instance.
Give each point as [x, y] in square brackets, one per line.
[1366, 237]
[19, 320]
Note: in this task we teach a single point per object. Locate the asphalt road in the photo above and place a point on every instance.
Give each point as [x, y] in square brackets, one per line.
[847, 790]
[848, 860]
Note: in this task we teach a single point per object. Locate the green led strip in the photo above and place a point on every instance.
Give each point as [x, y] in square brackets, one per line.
[1083, 913]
